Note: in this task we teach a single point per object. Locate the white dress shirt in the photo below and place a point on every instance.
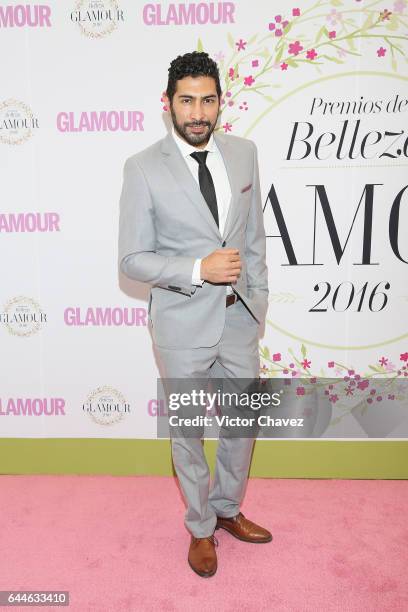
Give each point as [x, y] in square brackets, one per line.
[216, 166]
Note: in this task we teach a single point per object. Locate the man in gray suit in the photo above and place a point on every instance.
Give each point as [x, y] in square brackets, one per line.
[191, 225]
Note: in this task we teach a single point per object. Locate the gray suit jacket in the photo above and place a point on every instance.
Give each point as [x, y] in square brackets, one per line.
[165, 224]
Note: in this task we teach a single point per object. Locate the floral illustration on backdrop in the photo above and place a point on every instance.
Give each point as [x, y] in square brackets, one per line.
[258, 65]
[383, 382]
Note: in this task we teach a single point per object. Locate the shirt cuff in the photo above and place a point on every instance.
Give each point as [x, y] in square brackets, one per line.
[196, 280]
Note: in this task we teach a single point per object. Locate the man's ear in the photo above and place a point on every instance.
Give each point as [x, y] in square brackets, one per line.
[166, 101]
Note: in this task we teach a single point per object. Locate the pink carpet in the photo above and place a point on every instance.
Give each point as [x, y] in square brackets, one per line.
[119, 544]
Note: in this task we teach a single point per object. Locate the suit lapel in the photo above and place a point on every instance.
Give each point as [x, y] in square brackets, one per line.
[178, 167]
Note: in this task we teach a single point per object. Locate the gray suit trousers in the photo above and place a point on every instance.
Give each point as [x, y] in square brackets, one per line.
[236, 356]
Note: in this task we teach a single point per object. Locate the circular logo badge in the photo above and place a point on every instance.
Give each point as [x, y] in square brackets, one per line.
[97, 18]
[106, 406]
[23, 316]
[16, 122]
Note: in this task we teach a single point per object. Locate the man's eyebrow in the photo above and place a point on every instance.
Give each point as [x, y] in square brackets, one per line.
[192, 97]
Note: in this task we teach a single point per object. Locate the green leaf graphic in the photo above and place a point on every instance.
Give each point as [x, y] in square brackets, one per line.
[368, 22]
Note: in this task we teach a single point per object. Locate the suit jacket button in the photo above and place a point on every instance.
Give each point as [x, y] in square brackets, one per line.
[224, 243]
[175, 288]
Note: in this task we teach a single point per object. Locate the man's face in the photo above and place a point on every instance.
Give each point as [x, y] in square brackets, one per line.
[194, 109]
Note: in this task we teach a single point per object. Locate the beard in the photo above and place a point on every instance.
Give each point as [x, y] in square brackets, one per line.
[190, 137]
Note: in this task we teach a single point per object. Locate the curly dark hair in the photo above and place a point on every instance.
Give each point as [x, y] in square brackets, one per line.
[192, 64]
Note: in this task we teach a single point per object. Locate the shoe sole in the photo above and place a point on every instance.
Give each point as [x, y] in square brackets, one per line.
[244, 539]
[202, 574]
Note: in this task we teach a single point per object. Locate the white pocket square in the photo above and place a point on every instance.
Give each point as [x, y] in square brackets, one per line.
[247, 188]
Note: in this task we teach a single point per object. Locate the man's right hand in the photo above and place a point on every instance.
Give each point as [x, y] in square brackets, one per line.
[221, 266]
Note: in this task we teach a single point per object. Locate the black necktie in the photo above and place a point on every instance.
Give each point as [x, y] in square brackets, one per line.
[206, 183]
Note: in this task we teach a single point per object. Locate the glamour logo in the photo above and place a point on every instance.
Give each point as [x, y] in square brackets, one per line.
[16, 122]
[76, 317]
[29, 222]
[156, 407]
[97, 18]
[101, 121]
[106, 406]
[25, 15]
[28, 406]
[320, 200]
[22, 316]
[189, 14]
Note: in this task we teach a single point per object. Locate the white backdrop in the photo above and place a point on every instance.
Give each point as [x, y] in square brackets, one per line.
[321, 87]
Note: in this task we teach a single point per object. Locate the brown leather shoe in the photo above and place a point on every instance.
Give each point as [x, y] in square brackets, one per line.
[202, 557]
[244, 529]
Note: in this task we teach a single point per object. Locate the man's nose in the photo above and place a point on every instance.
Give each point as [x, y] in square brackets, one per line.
[197, 111]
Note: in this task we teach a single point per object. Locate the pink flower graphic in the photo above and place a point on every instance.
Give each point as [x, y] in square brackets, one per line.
[404, 356]
[219, 57]
[381, 52]
[399, 6]
[306, 363]
[333, 17]
[232, 75]
[243, 106]
[276, 357]
[241, 44]
[383, 361]
[162, 100]
[332, 34]
[278, 26]
[227, 127]
[333, 398]
[363, 384]
[311, 54]
[255, 63]
[300, 390]
[284, 66]
[330, 364]
[385, 15]
[296, 12]
[249, 80]
[295, 48]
